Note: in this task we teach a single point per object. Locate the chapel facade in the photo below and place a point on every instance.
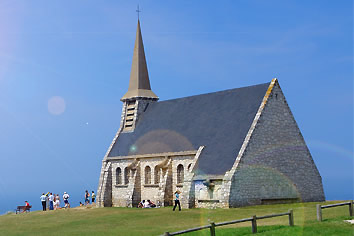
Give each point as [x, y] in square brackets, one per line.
[225, 149]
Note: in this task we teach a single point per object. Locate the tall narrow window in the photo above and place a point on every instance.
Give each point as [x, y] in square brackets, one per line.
[118, 176]
[147, 175]
[126, 175]
[157, 175]
[180, 174]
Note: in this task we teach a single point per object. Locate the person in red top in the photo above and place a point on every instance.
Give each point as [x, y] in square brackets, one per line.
[26, 208]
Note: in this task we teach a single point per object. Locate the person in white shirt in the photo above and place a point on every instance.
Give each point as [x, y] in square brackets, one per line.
[44, 201]
[93, 196]
[146, 204]
[51, 199]
[66, 200]
[56, 202]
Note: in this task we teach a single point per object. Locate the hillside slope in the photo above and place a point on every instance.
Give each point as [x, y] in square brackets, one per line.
[132, 221]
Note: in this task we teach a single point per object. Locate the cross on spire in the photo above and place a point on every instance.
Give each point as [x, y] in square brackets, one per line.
[138, 11]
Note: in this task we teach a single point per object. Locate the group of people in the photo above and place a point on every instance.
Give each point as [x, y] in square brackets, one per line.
[148, 204]
[52, 201]
[87, 198]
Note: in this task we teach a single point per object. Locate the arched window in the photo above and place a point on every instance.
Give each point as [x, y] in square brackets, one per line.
[126, 175]
[157, 175]
[189, 166]
[118, 176]
[147, 175]
[180, 174]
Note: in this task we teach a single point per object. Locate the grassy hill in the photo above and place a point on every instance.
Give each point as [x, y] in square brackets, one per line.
[132, 221]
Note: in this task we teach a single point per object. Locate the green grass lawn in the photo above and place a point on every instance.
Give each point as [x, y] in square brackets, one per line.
[132, 221]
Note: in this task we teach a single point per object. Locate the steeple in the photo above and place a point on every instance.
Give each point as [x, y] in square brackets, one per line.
[139, 83]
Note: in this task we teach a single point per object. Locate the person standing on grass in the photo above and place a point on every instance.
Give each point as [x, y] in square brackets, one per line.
[87, 198]
[66, 200]
[177, 201]
[93, 196]
[44, 201]
[47, 196]
[51, 200]
[57, 202]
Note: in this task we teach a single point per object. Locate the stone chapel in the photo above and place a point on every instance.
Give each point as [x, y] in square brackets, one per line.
[224, 149]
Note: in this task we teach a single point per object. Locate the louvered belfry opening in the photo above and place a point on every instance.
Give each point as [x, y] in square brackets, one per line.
[129, 115]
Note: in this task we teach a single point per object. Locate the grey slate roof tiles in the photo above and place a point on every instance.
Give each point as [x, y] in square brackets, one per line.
[219, 121]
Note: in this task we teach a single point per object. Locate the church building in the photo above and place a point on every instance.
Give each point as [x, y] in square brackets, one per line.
[224, 149]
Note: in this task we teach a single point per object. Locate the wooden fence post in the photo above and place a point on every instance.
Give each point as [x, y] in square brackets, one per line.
[167, 234]
[291, 217]
[212, 229]
[351, 208]
[319, 212]
[254, 224]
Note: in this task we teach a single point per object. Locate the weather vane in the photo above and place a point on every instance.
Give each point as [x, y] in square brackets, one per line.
[138, 11]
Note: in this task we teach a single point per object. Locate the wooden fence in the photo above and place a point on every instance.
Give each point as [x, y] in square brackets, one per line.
[319, 208]
[252, 219]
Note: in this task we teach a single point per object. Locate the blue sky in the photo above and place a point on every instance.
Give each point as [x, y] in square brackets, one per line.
[78, 54]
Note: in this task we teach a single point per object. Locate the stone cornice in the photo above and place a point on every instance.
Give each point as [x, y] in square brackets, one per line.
[154, 155]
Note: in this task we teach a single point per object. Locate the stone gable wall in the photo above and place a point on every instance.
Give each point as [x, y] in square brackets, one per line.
[276, 164]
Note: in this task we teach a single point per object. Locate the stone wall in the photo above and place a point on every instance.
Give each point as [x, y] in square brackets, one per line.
[104, 192]
[121, 193]
[276, 163]
[157, 186]
[208, 195]
[187, 197]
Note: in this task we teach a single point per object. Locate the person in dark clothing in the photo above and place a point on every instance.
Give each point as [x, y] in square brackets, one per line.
[44, 201]
[177, 201]
[141, 204]
[87, 198]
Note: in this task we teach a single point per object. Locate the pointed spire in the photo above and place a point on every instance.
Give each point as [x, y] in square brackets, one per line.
[139, 83]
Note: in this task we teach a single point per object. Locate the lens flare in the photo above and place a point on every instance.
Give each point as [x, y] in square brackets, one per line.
[161, 140]
[56, 105]
[132, 149]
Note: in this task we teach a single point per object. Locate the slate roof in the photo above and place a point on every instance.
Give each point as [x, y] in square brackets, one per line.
[219, 121]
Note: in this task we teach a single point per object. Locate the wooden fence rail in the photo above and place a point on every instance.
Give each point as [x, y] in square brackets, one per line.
[319, 208]
[253, 219]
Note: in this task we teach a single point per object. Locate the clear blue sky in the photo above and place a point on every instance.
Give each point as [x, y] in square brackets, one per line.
[81, 52]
